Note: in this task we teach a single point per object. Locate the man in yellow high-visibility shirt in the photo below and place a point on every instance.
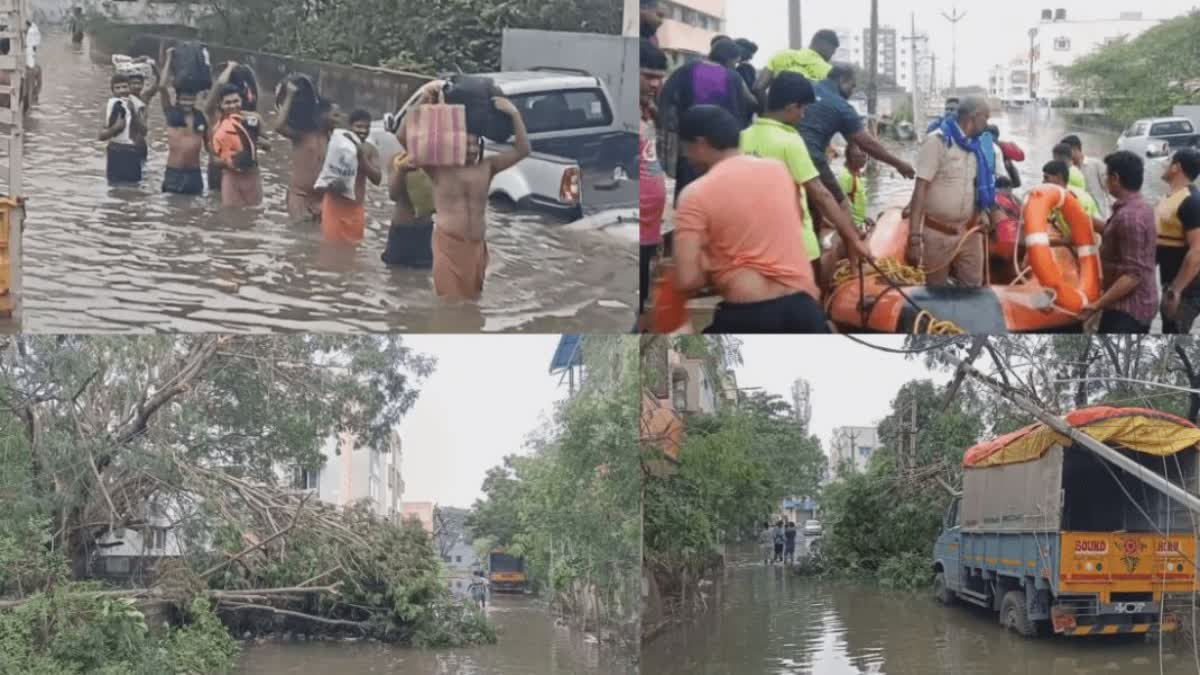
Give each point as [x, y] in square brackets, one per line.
[813, 63]
[1058, 173]
[854, 187]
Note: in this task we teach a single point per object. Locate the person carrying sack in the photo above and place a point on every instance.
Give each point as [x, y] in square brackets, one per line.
[350, 162]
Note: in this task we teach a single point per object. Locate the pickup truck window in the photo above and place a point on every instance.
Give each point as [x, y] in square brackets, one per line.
[563, 110]
[1176, 128]
[1136, 130]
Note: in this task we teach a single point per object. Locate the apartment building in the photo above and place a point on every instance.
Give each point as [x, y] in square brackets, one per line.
[1058, 40]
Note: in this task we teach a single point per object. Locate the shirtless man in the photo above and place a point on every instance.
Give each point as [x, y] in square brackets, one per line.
[460, 195]
[343, 219]
[235, 143]
[187, 129]
[308, 155]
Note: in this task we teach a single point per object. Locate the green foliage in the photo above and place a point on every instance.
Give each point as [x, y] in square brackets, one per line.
[1143, 77]
[570, 505]
[72, 630]
[415, 35]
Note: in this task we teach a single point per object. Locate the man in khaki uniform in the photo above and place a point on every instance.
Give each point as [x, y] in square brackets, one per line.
[943, 205]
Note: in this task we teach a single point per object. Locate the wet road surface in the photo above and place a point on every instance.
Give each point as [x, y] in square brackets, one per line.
[530, 644]
[101, 259]
[764, 620]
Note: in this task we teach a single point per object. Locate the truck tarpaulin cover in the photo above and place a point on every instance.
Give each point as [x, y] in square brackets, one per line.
[1150, 431]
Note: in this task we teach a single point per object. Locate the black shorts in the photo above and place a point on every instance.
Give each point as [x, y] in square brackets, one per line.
[795, 314]
[124, 163]
[410, 245]
[183, 181]
[214, 177]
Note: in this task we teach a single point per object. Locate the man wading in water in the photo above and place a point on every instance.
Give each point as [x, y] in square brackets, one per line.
[186, 131]
[308, 154]
[120, 127]
[235, 144]
[344, 219]
[460, 195]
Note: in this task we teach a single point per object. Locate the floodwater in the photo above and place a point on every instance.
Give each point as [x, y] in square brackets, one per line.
[764, 620]
[101, 259]
[530, 644]
[1037, 131]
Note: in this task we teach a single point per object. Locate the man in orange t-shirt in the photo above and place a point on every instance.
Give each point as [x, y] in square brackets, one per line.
[740, 229]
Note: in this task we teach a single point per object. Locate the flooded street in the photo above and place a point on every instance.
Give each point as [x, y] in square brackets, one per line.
[132, 259]
[765, 620]
[1037, 132]
[530, 644]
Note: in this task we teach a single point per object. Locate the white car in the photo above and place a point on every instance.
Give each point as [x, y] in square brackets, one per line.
[812, 528]
[1158, 136]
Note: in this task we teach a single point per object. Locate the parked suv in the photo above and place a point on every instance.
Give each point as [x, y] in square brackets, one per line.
[1158, 136]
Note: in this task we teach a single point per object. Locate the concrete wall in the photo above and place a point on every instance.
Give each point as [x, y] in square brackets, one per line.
[377, 89]
[612, 58]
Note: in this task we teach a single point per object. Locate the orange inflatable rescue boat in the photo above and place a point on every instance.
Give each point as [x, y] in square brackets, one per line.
[1041, 287]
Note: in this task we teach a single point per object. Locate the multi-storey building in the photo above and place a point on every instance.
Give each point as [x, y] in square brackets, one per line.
[1057, 41]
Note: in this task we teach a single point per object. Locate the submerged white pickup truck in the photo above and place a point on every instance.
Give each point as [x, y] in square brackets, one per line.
[582, 161]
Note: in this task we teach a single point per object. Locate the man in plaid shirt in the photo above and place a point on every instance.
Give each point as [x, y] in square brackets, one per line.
[1130, 298]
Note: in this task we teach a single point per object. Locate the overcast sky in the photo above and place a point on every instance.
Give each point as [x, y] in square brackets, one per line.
[990, 33]
[487, 394]
[852, 385]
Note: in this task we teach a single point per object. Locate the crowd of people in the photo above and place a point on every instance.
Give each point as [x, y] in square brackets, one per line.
[763, 220]
[219, 118]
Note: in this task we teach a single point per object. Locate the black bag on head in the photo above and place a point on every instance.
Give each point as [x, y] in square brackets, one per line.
[191, 68]
[476, 93]
[305, 112]
[244, 79]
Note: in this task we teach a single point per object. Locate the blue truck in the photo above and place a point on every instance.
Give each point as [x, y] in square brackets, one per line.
[1058, 541]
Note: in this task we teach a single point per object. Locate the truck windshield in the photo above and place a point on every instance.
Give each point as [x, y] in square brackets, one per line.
[1173, 128]
[505, 563]
[564, 110]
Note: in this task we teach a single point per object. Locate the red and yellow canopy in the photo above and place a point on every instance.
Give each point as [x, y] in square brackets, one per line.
[1143, 430]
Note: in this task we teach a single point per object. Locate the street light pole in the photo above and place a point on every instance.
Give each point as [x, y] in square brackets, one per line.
[795, 36]
[954, 17]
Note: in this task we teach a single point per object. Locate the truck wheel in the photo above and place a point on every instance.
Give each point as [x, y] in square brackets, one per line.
[1013, 615]
[940, 592]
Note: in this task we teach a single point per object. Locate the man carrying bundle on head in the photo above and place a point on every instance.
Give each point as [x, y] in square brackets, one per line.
[460, 195]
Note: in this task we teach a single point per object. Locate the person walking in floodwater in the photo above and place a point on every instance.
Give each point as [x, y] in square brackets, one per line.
[344, 219]
[235, 144]
[75, 26]
[479, 590]
[460, 194]
[124, 160]
[766, 542]
[778, 538]
[789, 543]
[186, 130]
[308, 153]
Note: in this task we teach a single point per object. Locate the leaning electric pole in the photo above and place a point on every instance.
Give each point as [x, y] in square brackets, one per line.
[954, 17]
[795, 37]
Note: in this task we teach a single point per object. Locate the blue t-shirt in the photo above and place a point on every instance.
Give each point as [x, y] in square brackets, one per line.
[832, 114]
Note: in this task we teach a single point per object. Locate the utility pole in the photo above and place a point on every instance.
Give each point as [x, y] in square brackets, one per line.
[795, 37]
[873, 62]
[632, 19]
[1139, 472]
[912, 40]
[954, 17]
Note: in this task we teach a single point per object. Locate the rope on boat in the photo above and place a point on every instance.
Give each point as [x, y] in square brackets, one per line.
[897, 274]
